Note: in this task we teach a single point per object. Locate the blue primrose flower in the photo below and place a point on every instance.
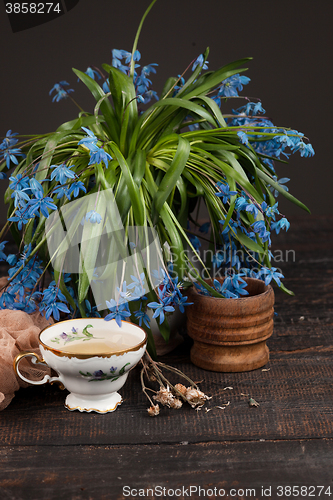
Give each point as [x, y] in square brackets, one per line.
[41, 204]
[62, 191]
[19, 182]
[91, 311]
[304, 149]
[181, 302]
[50, 304]
[195, 242]
[281, 183]
[218, 259]
[283, 223]
[251, 108]
[93, 217]
[10, 156]
[106, 86]
[119, 312]
[119, 55]
[89, 140]
[285, 140]
[232, 85]
[161, 308]
[20, 198]
[252, 209]
[99, 156]
[11, 259]
[204, 228]
[224, 290]
[224, 191]
[75, 188]
[3, 256]
[241, 203]
[243, 137]
[142, 317]
[9, 140]
[124, 294]
[199, 61]
[260, 228]
[92, 73]
[138, 285]
[146, 70]
[270, 211]
[147, 96]
[201, 289]
[60, 91]
[20, 217]
[271, 274]
[61, 173]
[35, 186]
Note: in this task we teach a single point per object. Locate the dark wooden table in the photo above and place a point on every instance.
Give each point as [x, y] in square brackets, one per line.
[50, 453]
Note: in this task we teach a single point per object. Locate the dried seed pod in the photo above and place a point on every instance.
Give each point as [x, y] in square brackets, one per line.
[153, 410]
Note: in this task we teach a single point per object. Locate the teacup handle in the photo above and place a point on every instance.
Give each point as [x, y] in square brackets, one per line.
[35, 359]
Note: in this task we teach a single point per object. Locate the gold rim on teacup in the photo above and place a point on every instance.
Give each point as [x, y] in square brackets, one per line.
[67, 354]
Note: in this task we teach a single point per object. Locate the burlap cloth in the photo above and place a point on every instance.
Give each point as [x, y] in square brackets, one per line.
[18, 332]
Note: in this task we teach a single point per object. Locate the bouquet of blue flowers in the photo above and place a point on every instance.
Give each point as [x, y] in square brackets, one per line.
[158, 157]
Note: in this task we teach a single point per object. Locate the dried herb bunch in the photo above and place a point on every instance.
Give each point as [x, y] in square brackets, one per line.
[168, 394]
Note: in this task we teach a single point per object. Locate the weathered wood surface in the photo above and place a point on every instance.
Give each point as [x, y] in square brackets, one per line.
[286, 440]
[295, 397]
[101, 472]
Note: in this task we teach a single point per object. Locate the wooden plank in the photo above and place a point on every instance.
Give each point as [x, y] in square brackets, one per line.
[295, 397]
[91, 472]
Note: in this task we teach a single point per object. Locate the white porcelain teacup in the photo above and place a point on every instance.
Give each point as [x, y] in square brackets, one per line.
[92, 358]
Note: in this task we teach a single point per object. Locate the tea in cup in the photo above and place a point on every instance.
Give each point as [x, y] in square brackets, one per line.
[92, 358]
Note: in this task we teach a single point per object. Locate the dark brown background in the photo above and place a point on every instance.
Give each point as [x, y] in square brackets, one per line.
[290, 41]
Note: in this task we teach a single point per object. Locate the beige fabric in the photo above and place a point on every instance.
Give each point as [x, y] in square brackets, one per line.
[18, 332]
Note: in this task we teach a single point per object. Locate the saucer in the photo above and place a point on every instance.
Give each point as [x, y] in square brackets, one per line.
[98, 404]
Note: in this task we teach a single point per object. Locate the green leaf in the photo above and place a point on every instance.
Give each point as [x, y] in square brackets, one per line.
[77, 123]
[91, 237]
[171, 176]
[135, 44]
[138, 209]
[216, 77]
[106, 107]
[280, 189]
[194, 75]
[124, 99]
[63, 288]
[248, 243]
[235, 172]
[169, 84]
[45, 162]
[192, 178]
[215, 110]
[286, 290]
[209, 288]
[189, 105]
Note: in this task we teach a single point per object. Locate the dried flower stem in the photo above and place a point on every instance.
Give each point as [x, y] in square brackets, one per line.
[179, 372]
[157, 364]
[144, 388]
[192, 395]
